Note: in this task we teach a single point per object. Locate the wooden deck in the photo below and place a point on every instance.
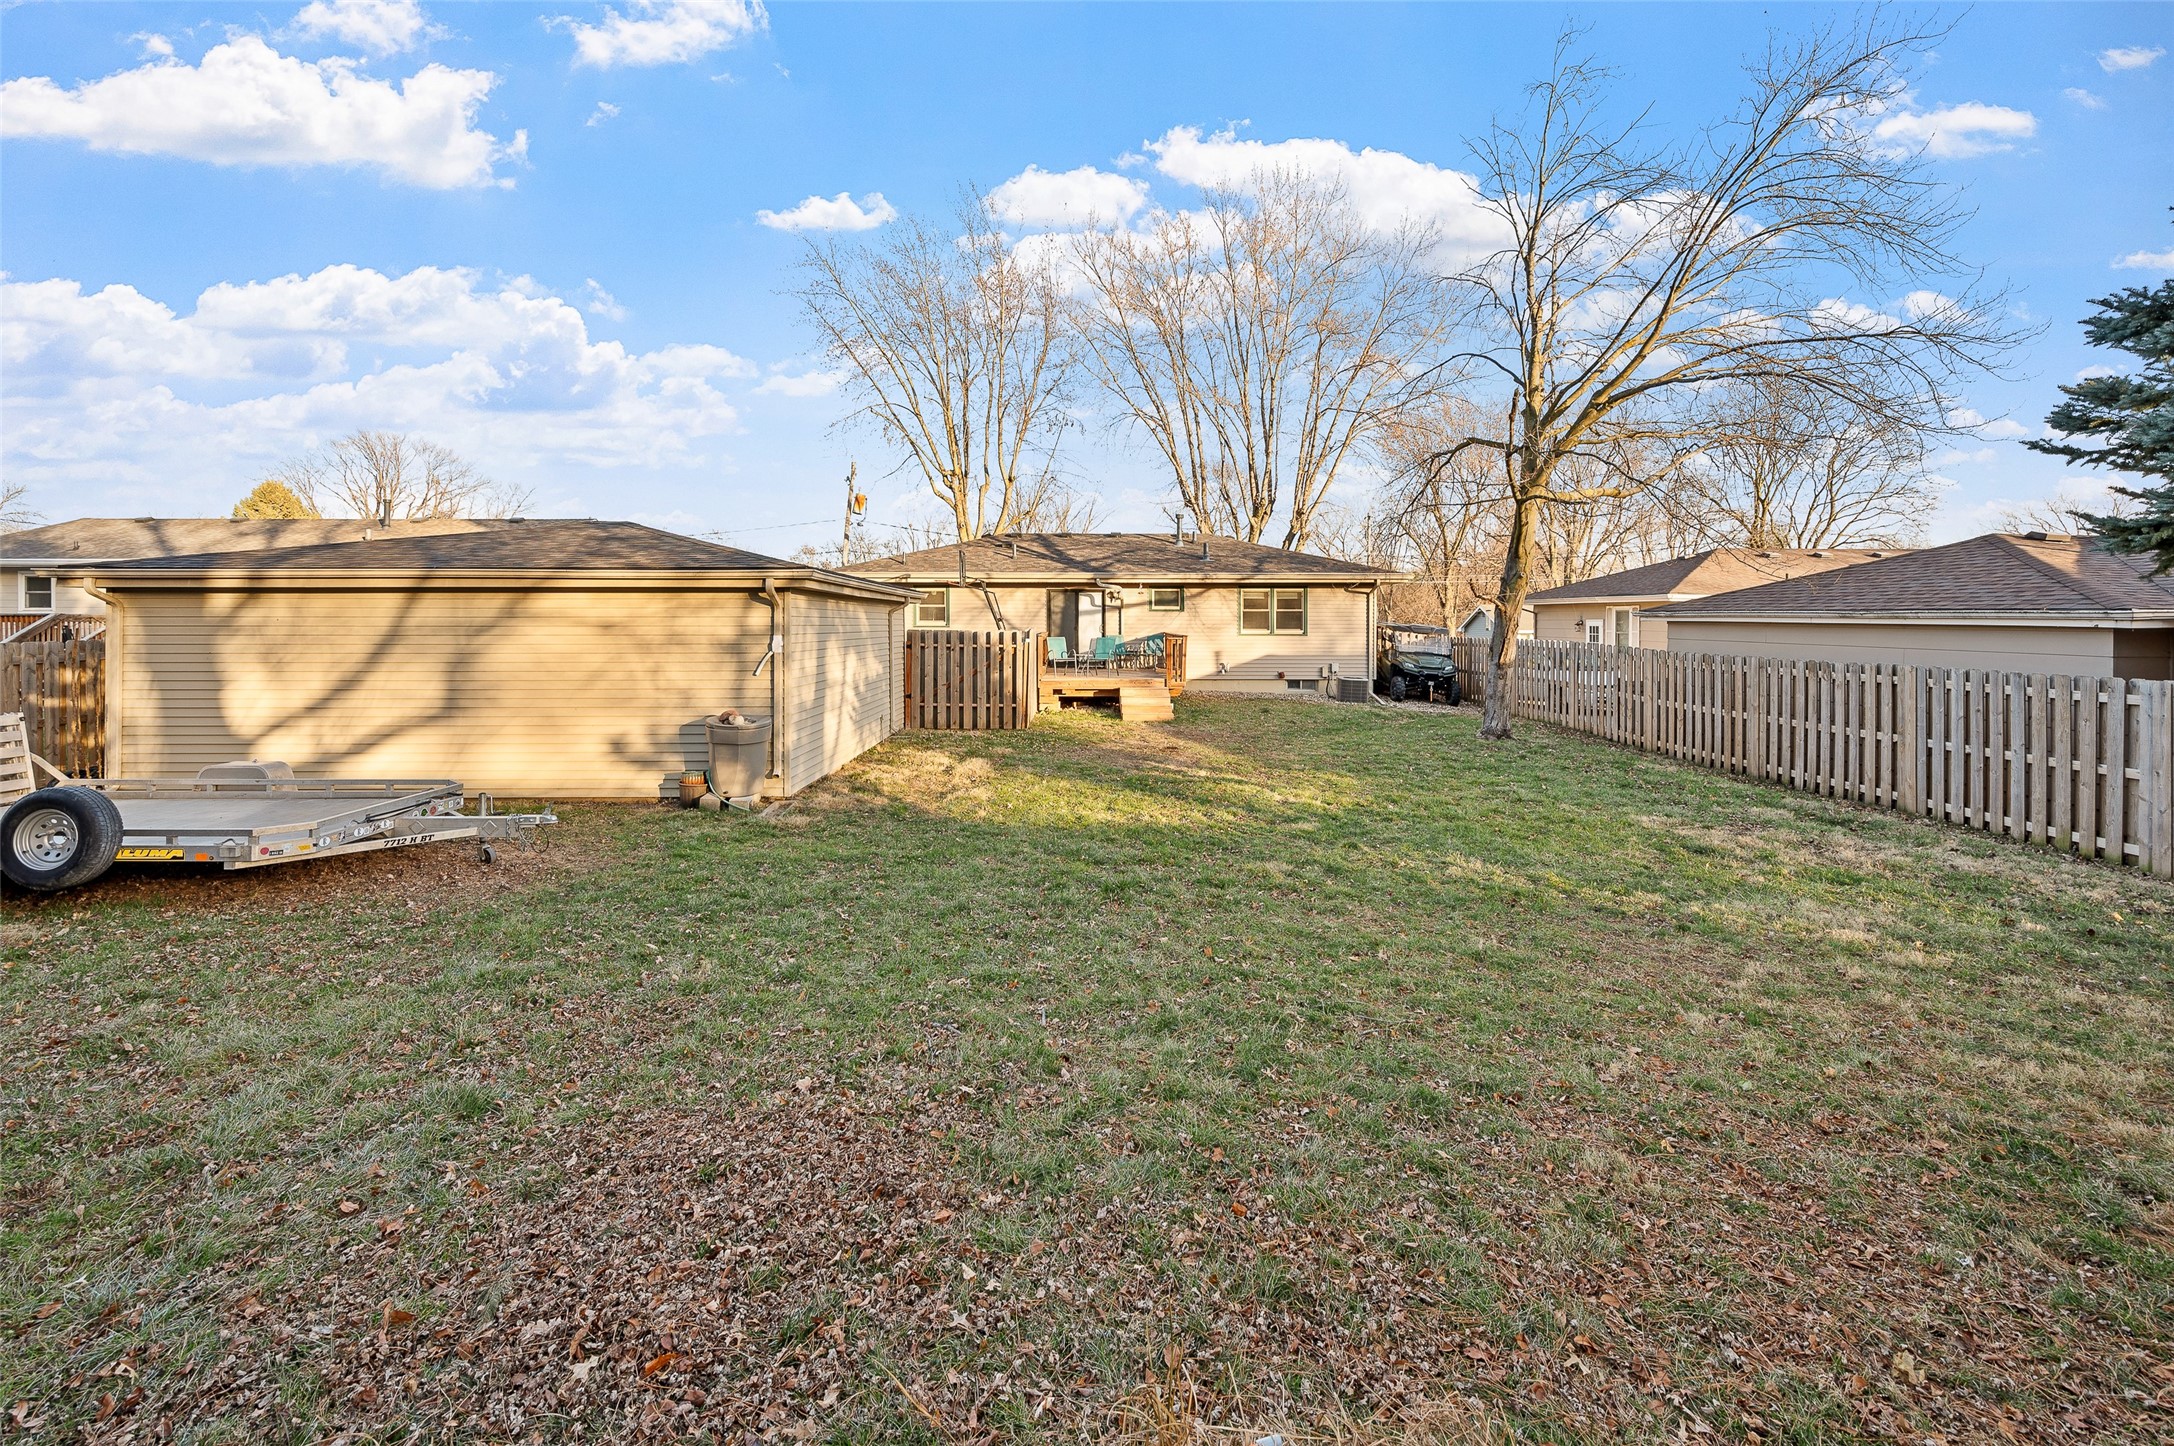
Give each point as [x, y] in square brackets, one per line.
[1141, 695]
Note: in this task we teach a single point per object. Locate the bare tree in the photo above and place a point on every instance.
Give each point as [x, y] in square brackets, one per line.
[1637, 277]
[1054, 504]
[1448, 507]
[2069, 510]
[1789, 465]
[1259, 343]
[15, 513]
[394, 477]
[956, 348]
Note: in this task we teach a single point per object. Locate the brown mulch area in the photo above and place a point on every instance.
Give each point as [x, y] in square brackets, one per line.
[770, 1270]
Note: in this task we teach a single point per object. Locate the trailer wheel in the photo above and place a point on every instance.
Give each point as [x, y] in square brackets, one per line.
[57, 838]
[490, 854]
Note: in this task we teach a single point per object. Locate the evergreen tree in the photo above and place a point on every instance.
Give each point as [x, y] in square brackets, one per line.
[270, 500]
[2132, 417]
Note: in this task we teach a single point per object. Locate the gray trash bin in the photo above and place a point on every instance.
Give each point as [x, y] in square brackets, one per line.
[739, 756]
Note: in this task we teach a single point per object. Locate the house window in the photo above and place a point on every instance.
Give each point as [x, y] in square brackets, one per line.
[38, 594]
[1271, 610]
[1593, 628]
[1166, 599]
[933, 611]
[1625, 621]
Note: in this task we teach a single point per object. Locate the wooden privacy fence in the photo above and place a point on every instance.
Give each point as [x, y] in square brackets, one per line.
[2083, 764]
[972, 680]
[60, 689]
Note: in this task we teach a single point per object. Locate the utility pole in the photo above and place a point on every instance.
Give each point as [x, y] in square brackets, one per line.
[856, 505]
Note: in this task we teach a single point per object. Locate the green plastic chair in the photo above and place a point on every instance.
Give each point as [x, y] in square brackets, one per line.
[1060, 651]
[1107, 649]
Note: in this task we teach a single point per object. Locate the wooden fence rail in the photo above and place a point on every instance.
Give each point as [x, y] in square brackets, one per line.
[2085, 765]
[60, 689]
[972, 681]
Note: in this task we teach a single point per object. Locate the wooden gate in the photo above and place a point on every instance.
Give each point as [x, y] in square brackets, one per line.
[972, 681]
[60, 689]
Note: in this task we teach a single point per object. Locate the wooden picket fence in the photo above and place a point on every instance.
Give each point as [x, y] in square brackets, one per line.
[2085, 765]
[60, 689]
[973, 681]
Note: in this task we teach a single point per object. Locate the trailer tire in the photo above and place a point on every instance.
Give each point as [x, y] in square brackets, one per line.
[58, 838]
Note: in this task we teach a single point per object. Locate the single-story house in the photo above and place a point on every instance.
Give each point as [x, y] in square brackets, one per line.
[1255, 619]
[38, 563]
[1479, 624]
[538, 659]
[2004, 602]
[1617, 607]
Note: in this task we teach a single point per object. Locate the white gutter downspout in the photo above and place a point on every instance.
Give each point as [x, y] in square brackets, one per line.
[777, 646]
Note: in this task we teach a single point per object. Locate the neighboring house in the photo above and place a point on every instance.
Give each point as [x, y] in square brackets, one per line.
[2004, 602]
[1479, 624]
[1616, 608]
[39, 566]
[1255, 619]
[541, 659]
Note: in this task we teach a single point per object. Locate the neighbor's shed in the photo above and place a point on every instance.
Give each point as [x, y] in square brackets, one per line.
[543, 658]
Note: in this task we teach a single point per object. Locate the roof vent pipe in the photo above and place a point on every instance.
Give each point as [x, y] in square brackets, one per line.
[1203, 547]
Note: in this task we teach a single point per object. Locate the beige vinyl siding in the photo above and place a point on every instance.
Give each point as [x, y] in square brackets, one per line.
[68, 596]
[1565, 622]
[842, 672]
[1219, 657]
[1017, 609]
[543, 693]
[2086, 651]
[1339, 629]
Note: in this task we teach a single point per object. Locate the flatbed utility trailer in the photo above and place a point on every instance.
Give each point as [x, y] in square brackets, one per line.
[236, 815]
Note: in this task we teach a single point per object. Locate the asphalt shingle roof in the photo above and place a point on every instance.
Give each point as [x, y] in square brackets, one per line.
[1718, 569]
[1998, 574]
[1137, 557]
[528, 545]
[111, 539]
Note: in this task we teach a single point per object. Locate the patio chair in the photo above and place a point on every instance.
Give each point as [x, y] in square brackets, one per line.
[1060, 651]
[1108, 651]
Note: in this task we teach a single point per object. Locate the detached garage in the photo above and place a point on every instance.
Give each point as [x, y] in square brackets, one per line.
[540, 659]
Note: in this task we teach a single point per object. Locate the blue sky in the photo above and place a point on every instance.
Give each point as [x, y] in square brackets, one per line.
[233, 232]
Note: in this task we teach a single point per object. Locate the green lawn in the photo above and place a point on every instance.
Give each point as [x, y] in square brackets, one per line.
[1305, 1067]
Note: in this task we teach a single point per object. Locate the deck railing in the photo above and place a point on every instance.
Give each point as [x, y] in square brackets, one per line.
[2083, 764]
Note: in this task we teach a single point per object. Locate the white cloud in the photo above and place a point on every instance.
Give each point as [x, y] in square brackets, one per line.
[1040, 198]
[2129, 57]
[663, 32]
[376, 27]
[1956, 132]
[1384, 187]
[2084, 98]
[1840, 315]
[801, 384]
[839, 213]
[113, 388]
[598, 302]
[155, 47]
[2146, 261]
[604, 111]
[1920, 304]
[245, 104]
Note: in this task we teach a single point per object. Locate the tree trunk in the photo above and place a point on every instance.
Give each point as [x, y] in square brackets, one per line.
[1509, 606]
